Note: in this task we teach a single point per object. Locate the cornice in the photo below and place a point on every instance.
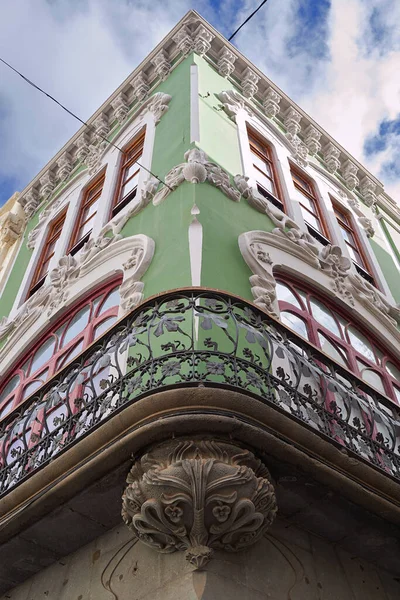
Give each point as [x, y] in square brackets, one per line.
[193, 34]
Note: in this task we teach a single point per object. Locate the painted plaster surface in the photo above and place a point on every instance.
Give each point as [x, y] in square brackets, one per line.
[288, 563]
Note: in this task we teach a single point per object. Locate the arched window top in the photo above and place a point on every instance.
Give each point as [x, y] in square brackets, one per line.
[84, 322]
[317, 320]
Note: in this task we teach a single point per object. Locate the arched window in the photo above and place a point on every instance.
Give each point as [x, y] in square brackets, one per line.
[338, 336]
[70, 336]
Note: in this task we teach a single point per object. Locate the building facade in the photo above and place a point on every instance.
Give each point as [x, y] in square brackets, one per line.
[200, 328]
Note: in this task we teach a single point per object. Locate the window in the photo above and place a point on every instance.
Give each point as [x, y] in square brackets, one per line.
[86, 322]
[87, 212]
[264, 170]
[129, 174]
[352, 242]
[47, 254]
[307, 198]
[338, 336]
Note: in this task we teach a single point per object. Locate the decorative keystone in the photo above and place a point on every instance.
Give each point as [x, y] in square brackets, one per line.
[196, 496]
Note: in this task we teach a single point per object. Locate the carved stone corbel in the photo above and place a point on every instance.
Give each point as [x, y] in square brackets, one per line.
[140, 86]
[368, 191]
[226, 62]
[331, 156]
[196, 496]
[161, 64]
[120, 107]
[312, 140]
[249, 83]
[271, 103]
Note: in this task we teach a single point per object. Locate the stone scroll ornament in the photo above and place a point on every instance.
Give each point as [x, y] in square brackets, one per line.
[197, 496]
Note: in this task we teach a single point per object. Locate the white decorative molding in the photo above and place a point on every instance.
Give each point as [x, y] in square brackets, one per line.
[365, 223]
[183, 39]
[337, 266]
[349, 172]
[312, 140]
[100, 127]
[195, 235]
[30, 202]
[157, 104]
[161, 64]
[291, 120]
[65, 165]
[249, 80]
[271, 102]
[120, 106]
[331, 157]
[12, 225]
[140, 86]
[373, 300]
[233, 102]
[331, 274]
[82, 145]
[202, 39]
[72, 275]
[197, 169]
[368, 191]
[47, 184]
[226, 62]
[218, 51]
[287, 234]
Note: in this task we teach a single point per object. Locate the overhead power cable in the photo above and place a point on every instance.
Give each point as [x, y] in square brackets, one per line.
[79, 119]
[247, 20]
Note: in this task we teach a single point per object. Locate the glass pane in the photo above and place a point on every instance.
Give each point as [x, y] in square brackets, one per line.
[390, 368]
[371, 377]
[86, 228]
[360, 343]
[132, 169]
[333, 350]
[355, 255]
[324, 316]
[11, 385]
[130, 185]
[307, 202]
[111, 301]
[76, 325]
[295, 323]
[34, 385]
[104, 325]
[285, 294]
[42, 355]
[6, 408]
[264, 181]
[261, 164]
[68, 356]
[89, 211]
[310, 219]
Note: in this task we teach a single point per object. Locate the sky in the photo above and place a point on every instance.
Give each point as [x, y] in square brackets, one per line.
[338, 59]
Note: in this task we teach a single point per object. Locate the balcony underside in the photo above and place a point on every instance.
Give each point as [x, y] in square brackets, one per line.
[190, 369]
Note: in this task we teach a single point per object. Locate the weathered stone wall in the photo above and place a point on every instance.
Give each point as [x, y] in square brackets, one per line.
[288, 564]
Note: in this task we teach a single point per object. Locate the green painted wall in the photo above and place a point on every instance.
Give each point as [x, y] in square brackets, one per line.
[218, 133]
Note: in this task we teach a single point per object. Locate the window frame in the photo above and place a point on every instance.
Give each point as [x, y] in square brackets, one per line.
[277, 199]
[38, 279]
[75, 244]
[313, 327]
[350, 226]
[124, 164]
[52, 365]
[324, 236]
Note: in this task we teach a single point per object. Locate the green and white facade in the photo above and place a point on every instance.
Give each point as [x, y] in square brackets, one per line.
[211, 328]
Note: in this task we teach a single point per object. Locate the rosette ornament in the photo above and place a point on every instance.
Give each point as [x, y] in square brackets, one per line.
[196, 496]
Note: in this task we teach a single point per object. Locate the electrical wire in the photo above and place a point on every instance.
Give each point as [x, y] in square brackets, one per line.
[247, 20]
[78, 118]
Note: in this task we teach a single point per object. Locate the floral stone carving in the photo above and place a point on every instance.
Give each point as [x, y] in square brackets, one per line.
[197, 495]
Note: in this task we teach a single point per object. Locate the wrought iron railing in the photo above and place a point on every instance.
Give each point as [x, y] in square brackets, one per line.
[192, 337]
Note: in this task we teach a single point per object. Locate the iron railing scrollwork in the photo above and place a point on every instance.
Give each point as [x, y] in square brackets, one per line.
[191, 337]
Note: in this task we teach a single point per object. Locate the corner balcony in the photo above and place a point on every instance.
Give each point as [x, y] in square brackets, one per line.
[203, 339]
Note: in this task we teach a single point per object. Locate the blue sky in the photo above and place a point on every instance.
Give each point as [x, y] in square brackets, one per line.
[339, 59]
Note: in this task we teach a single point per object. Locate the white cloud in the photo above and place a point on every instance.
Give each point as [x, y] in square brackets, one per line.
[341, 67]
